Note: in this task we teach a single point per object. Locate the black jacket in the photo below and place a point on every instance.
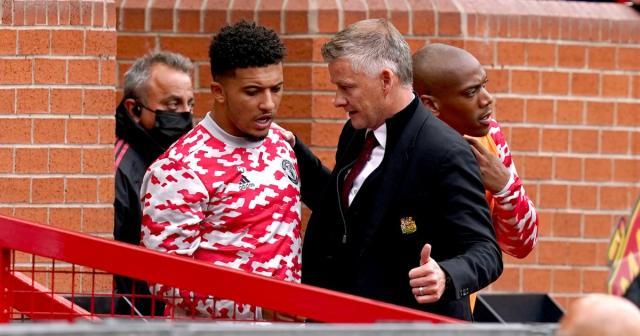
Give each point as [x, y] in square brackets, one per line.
[135, 151]
[428, 175]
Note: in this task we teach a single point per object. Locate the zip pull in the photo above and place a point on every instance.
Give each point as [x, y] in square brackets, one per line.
[344, 238]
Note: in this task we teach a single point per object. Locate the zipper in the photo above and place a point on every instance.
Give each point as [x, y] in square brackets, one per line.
[344, 221]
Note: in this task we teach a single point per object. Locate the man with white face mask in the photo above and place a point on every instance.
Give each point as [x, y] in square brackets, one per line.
[155, 111]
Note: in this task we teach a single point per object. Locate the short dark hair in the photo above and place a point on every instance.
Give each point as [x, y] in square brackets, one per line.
[244, 45]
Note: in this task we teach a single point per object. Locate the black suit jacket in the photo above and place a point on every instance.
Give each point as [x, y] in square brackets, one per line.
[429, 176]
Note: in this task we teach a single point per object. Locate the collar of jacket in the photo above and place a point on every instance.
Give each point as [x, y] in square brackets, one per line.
[397, 123]
[136, 136]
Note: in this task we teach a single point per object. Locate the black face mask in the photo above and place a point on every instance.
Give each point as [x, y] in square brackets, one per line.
[170, 126]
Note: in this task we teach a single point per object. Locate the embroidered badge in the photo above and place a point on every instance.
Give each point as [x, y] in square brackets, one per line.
[408, 225]
[290, 171]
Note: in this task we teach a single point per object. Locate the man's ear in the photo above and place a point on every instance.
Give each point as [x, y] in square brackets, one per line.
[131, 105]
[217, 90]
[386, 77]
[430, 102]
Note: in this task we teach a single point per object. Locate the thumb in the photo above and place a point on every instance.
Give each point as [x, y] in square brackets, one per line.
[425, 254]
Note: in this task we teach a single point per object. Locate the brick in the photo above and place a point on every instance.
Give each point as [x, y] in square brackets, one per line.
[420, 9]
[636, 87]
[572, 56]
[317, 48]
[525, 138]
[16, 71]
[615, 85]
[511, 53]
[509, 109]
[297, 77]
[594, 281]
[100, 43]
[325, 134]
[498, 80]
[295, 106]
[82, 131]
[635, 143]
[97, 220]
[47, 190]
[553, 196]
[538, 167]
[133, 16]
[628, 114]
[66, 101]
[555, 140]
[602, 249]
[552, 252]
[321, 80]
[541, 54]
[242, 10]
[33, 42]
[98, 102]
[192, 47]
[83, 71]
[65, 160]
[67, 42]
[568, 168]
[188, 14]
[585, 84]
[7, 101]
[32, 160]
[540, 111]
[598, 226]
[97, 160]
[106, 187]
[377, 9]
[50, 71]
[449, 19]
[536, 280]
[566, 280]
[32, 101]
[599, 113]
[37, 215]
[601, 57]
[509, 281]
[18, 187]
[328, 18]
[581, 253]
[584, 141]
[323, 108]
[626, 170]
[81, 190]
[215, 15]
[108, 72]
[615, 142]
[204, 76]
[298, 49]
[66, 218]
[302, 130]
[597, 169]
[569, 112]
[269, 13]
[614, 198]
[628, 59]
[554, 82]
[566, 224]
[482, 50]
[98, 14]
[9, 42]
[161, 15]
[106, 133]
[63, 13]
[583, 197]
[203, 105]
[132, 47]
[524, 81]
[48, 131]
[296, 17]
[15, 131]
[6, 160]
[86, 12]
[112, 12]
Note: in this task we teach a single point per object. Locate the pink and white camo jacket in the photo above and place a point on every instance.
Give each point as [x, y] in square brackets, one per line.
[228, 201]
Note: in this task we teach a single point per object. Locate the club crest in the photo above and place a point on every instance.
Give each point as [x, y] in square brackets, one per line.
[290, 171]
[408, 225]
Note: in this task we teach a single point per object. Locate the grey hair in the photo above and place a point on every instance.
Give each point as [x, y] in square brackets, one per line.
[135, 79]
[371, 45]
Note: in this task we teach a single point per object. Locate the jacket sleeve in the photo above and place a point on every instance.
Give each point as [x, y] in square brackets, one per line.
[126, 208]
[478, 260]
[514, 217]
[314, 176]
[173, 207]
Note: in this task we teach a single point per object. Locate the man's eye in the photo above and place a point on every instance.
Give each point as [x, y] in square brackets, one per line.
[470, 93]
[251, 92]
[276, 89]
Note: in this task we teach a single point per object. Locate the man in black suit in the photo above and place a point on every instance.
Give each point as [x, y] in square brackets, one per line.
[402, 218]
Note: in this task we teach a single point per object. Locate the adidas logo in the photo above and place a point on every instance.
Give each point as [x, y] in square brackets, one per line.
[245, 183]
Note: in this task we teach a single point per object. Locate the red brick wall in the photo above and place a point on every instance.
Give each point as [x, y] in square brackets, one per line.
[566, 77]
[57, 77]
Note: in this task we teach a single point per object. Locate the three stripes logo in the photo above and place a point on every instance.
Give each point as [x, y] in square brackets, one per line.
[245, 183]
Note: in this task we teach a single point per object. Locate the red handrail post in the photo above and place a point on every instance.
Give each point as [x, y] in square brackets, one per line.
[5, 304]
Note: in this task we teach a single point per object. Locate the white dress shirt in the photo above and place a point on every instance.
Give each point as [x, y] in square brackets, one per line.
[374, 161]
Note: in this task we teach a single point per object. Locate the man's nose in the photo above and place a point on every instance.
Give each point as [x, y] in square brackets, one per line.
[267, 103]
[339, 100]
[487, 98]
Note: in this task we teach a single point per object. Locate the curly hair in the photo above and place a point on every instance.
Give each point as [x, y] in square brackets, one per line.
[244, 45]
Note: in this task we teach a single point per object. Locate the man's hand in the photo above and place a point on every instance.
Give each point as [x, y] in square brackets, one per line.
[288, 135]
[427, 281]
[494, 174]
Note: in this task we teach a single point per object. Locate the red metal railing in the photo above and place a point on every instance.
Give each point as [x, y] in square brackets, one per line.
[77, 259]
